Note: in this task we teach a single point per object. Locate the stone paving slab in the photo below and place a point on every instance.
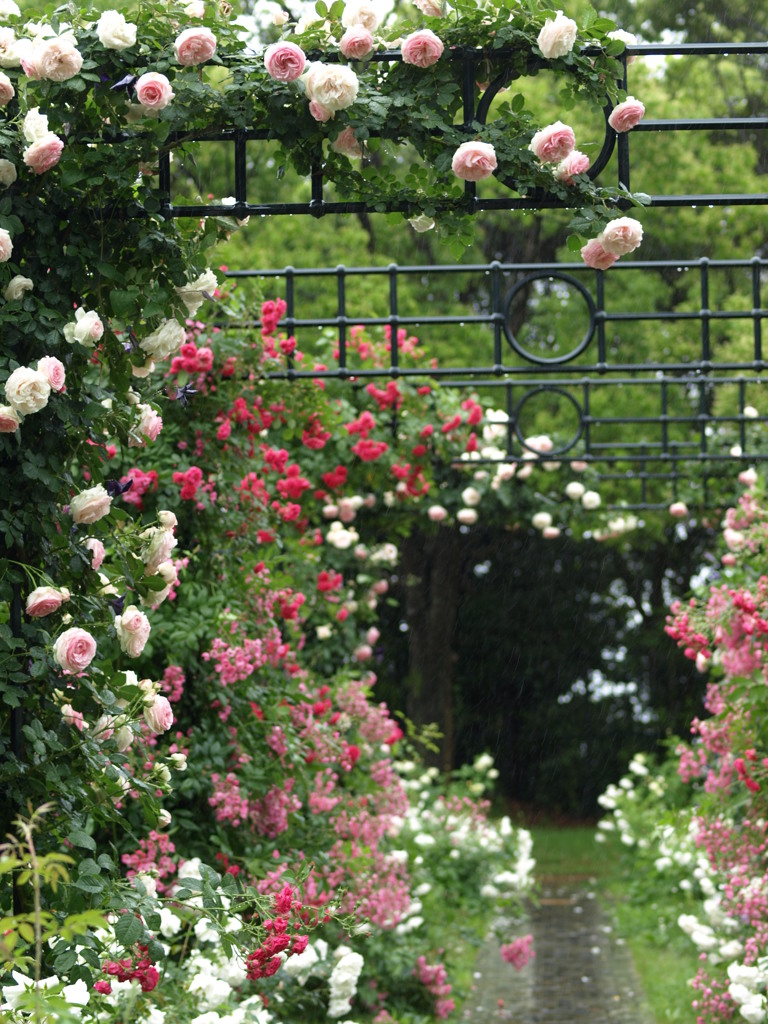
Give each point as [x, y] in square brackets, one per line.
[582, 973]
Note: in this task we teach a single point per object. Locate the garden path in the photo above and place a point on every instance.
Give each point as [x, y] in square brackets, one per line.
[582, 972]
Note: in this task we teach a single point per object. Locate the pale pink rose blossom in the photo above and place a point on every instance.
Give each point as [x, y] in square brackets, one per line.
[553, 143]
[422, 48]
[74, 650]
[90, 505]
[361, 12]
[284, 61]
[627, 38]
[318, 111]
[167, 519]
[621, 236]
[575, 163]
[467, 516]
[474, 161]
[150, 423]
[748, 477]
[96, 548]
[678, 509]
[550, 532]
[159, 716]
[595, 256]
[346, 144]
[103, 728]
[372, 636]
[7, 92]
[557, 36]
[626, 115]
[153, 91]
[437, 513]
[432, 8]
[44, 601]
[57, 60]
[27, 390]
[356, 43]
[71, 717]
[362, 653]
[133, 629]
[6, 246]
[43, 154]
[333, 86]
[123, 738]
[53, 370]
[382, 586]
[10, 421]
[194, 46]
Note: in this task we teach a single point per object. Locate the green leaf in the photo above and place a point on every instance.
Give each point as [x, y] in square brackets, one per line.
[575, 243]
[128, 929]
[82, 839]
[322, 8]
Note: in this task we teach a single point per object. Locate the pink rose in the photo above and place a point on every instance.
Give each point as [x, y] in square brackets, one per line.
[7, 92]
[626, 115]
[595, 256]
[432, 8]
[159, 716]
[103, 727]
[553, 143]
[284, 61]
[57, 60]
[678, 509]
[346, 144]
[575, 163]
[422, 48]
[74, 650]
[43, 154]
[474, 161]
[45, 600]
[437, 513]
[195, 46]
[10, 421]
[150, 423]
[96, 548]
[319, 112]
[621, 236]
[153, 91]
[53, 369]
[356, 43]
[90, 505]
[133, 630]
[71, 717]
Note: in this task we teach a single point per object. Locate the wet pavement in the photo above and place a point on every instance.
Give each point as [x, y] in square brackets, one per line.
[582, 972]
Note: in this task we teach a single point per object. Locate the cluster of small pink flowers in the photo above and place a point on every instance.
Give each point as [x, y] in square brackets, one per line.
[518, 952]
[143, 971]
[435, 978]
[153, 857]
[227, 800]
[270, 813]
[172, 683]
[141, 484]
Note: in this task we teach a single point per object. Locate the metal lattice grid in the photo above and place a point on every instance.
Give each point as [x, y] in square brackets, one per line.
[652, 424]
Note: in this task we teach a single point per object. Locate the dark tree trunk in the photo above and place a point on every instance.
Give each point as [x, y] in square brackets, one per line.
[431, 574]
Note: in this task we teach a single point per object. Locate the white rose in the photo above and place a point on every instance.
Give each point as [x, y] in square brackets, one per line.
[627, 38]
[191, 294]
[574, 490]
[86, 330]
[196, 9]
[27, 390]
[467, 516]
[35, 125]
[114, 32]
[590, 499]
[165, 341]
[9, 53]
[9, 9]
[557, 37]
[470, 496]
[16, 288]
[7, 173]
[542, 520]
[333, 86]
[361, 12]
[622, 235]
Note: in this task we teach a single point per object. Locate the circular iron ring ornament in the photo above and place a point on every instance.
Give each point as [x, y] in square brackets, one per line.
[548, 276]
[533, 66]
[549, 389]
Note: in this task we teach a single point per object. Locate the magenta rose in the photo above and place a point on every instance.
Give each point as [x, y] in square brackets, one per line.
[356, 43]
[474, 161]
[595, 256]
[284, 61]
[132, 628]
[74, 650]
[53, 369]
[553, 143]
[159, 716]
[621, 236]
[195, 46]
[575, 163]
[44, 153]
[626, 115]
[153, 91]
[43, 601]
[422, 48]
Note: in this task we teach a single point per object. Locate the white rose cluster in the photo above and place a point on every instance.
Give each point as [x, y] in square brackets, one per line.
[343, 981]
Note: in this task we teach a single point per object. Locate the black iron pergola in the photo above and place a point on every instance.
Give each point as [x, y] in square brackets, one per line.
[696, 419]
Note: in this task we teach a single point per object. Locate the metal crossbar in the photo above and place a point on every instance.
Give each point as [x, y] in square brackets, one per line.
[649, 423]
[477, 197]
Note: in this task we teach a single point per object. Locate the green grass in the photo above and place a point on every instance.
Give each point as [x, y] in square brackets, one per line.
[664, 958]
